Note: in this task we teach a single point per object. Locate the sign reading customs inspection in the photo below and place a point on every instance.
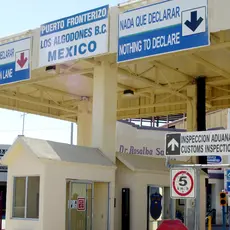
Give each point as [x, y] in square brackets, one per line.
[162, 27]
[198, 143]
[182, 183]
[78, 36]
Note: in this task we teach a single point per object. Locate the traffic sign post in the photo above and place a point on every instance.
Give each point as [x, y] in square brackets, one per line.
[15, 61]
[197, 168]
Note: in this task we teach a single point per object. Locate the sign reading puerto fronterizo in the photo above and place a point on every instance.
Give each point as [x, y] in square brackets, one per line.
[78, 36]
[182, 183]
[163, 27]
[198, 143]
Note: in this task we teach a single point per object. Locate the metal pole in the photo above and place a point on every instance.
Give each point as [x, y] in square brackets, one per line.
[23, 123]
[173, 214]
[228, 214]
[1, 200]
[197, 202]
[172, 201]
[71, 134]
[224, 219]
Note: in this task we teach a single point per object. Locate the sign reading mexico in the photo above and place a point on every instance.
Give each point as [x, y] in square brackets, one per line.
[198, 143]
[162, 27]
[74, 37]
[15, 61]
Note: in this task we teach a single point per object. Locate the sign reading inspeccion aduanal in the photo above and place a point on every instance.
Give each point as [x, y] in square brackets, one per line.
[74, 37]
[198, 143]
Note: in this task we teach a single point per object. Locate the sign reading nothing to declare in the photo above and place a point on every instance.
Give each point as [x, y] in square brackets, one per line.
[198, 143]
[163, 27]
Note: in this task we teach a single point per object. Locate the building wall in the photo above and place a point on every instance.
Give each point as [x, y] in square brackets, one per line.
[138, 182]
[124, 179]
[101, 214]
[24, 165]
[55, 193]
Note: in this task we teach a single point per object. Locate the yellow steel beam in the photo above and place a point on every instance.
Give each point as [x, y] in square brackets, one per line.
[35, 101]
[151, 83]
[155, 105]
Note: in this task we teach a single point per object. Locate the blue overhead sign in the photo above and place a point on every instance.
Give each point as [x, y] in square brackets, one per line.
[15, 61]
[78, 36]
[162, 27]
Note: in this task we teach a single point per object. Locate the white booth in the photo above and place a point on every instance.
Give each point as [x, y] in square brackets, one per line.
[59, 186]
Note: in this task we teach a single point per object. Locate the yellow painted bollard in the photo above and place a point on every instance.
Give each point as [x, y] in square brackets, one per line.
[209, 223]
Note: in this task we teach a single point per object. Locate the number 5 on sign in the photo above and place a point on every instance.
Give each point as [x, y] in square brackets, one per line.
[182, 183]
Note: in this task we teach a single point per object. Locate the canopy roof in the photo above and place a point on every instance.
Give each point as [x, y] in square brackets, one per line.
[159, 83]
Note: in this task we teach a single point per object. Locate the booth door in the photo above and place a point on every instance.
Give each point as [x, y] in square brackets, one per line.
[79, 205]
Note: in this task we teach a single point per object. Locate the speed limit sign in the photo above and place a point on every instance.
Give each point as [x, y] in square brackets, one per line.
[182, 183]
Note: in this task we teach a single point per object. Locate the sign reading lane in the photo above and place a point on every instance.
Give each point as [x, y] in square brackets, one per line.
[15, 61]
[74, 37]
[198, 143]
[163, 27]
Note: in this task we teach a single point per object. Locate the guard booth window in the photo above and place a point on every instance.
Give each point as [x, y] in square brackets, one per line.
[26, 197]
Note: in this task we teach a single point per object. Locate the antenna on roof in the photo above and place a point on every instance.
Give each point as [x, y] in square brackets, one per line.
[23, 123]
[71, 134]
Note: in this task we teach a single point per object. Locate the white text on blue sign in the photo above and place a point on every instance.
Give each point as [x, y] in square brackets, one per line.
[163, 27]
[15, 61]
[78, 36]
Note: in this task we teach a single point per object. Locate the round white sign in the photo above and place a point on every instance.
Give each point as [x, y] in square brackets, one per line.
[182, 183]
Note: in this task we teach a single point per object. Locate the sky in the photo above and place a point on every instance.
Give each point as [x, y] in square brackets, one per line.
[18, 16]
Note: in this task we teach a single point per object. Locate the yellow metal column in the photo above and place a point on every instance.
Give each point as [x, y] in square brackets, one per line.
[105, 109]
[104, 117]
[84, 122]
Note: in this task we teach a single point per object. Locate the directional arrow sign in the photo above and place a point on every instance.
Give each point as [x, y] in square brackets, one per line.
[15, 61]
[173, 143]
[162, 27]
[22, 61]
[194, 22]
[205, 143]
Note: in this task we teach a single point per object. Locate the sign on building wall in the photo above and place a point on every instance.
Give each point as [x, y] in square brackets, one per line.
[79, 204]
[216, 160]
[163, 27]
[142, 142]
[78, 36]
[15, 61]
